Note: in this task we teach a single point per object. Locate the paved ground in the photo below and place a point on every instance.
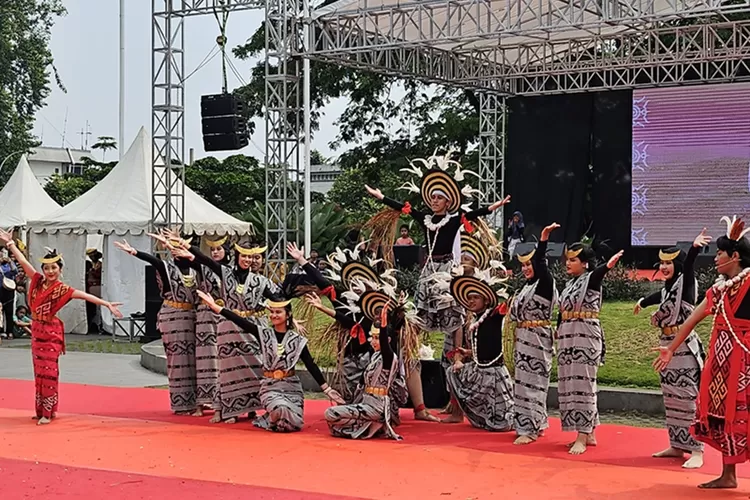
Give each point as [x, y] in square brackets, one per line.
[113, 370]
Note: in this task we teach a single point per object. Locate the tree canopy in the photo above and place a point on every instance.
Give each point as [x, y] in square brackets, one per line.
[27, 67]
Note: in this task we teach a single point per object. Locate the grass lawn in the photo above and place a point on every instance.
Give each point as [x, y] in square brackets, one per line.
[629, 342]
[106, 346]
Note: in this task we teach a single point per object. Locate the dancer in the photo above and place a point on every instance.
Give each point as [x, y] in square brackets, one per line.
[474, 255]
[373, 414]
[681, 379]
[722, 419]
[281, 348]
[176, 322]
[47, 295]
[515, 232]
[581, 344]
[244, 292]
[531, 310]
[479, 379]
[206, 328]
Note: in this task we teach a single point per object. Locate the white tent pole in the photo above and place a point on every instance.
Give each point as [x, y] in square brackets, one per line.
[121, 144]
[307, 114]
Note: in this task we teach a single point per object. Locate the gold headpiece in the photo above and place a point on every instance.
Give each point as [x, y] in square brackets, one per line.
[21, 245]
[177, 243]
[249, 251]
[523, 259]
[217, 243]
[51, 260]
[572, 254]
[668, 256]
[90, 251]
[277, 305]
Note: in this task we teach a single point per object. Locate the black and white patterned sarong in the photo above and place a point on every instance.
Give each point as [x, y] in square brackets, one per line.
[680, 380]
[580, 351]
[438, 313]
[485, 394]
[532, 357]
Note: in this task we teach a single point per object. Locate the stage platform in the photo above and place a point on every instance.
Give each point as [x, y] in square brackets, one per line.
[115, 443]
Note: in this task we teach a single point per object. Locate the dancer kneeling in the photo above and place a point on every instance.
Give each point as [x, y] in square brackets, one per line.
[479, 379]
[372, 415]
[280, 349]
[681, 379]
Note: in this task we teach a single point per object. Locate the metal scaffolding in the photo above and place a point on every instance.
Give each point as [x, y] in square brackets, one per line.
[499, 48]
[283, 112]
[284, 127]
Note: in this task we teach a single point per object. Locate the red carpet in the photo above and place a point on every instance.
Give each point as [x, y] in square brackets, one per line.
[106, 435]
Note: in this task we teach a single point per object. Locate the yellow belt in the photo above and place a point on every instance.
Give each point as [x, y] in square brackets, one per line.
[246, 314]
[279, 374]
[670, 330]
[568, 315]
[376, 391]
[186, 306]
[535, 323]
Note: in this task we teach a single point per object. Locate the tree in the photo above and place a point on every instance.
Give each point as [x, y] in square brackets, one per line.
[67, 187]
[25, 59]
[105, 143]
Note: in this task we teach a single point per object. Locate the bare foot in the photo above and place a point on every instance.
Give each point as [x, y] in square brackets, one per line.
[216, 418]
[669, 453]
[232, 420]
[579, 446]
[590, 440]
[426, 416]
[43, 421]
[453, 419]
[524, 440]
[695, 461]
[719, 484]
[182, 413]
[447, 410]
[197, 413]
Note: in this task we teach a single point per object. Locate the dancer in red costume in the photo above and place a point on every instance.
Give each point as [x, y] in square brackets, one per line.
[47, 295]
[722, 419]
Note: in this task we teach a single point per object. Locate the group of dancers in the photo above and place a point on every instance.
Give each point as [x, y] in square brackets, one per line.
[226, 354]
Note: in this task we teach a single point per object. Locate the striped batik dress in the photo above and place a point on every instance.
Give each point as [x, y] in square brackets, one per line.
[680, 380]
[532, 356]
[372, 414]
[206, 346]
[282, 398]
[176, 322]
[483, 386]
[239, 364]
[580, 352]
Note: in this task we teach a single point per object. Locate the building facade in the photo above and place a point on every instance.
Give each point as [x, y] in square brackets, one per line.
[47, 161]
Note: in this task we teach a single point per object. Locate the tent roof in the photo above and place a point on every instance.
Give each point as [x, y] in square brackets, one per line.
[23, 198]
[121, 203]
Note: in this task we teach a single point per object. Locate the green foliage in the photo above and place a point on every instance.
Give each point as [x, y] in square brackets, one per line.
[67, 187]
[706, 278]
[105, 143]
[620, 284]
[328, 224]
[231, 185]
[25, 59]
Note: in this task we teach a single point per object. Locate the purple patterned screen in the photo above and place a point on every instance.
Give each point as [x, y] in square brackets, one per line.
[691, 161]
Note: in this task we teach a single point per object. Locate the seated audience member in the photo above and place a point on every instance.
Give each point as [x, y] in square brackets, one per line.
[405, 239]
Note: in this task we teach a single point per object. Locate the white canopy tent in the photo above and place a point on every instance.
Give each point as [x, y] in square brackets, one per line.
[23, 198]
[119, 207]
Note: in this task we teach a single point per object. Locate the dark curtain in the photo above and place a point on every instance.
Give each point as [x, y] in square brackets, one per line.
[612, 159]
[568, 161]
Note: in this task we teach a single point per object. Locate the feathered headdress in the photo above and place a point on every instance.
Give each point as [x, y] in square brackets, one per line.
[735, 228]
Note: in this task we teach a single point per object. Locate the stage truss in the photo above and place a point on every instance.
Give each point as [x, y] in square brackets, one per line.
[282, 105]
[497, 48]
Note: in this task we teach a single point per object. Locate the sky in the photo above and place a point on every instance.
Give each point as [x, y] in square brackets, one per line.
[85, 47]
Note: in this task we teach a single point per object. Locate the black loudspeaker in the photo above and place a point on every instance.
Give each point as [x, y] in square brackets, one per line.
[434, 384]
[223, 123]
[407, 256]
[153, 304]
[555, 250]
